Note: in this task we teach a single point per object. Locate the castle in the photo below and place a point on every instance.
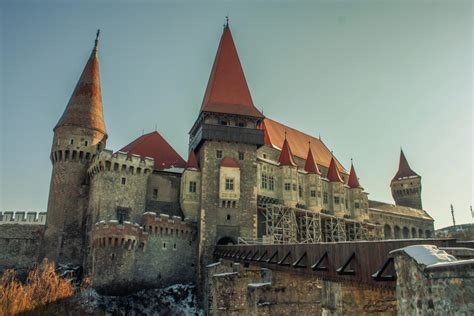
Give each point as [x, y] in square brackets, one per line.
[143, 216]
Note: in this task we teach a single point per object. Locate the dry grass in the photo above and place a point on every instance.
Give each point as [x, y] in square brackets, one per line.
[42, 287]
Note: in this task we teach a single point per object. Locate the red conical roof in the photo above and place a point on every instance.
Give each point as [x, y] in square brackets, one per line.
[353, 181]
[286, 157]
[310, 166]
[404, 170]
[333, 174]
[227, 90]
[85, 105]
[192, 161]
[154, 146]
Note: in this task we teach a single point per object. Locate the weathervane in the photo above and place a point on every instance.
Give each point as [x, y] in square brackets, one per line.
[97, 38]
[226, 21]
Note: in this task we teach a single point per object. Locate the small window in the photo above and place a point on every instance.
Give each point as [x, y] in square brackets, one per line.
[336, 200]
[228, 217]
[174, 247]
[124, 181]
[72, 142]
[264, 183]
[192, 186]
[234, 204]
[229, 184]
[86, 143]
[325, 198]
[98, 146]
[218, 154]
[264, 156]
[241, 155]
[356, 205]
[271, 183]
[287, 186]
[294, 186]
[300, 191]
[164, 245]
[224, 123]
[313, 193]
[155, 194]
[122, 215]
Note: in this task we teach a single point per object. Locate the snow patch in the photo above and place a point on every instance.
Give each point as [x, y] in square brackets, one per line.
[426, 254]
[225, 274]
[257, 285]
[213, 264]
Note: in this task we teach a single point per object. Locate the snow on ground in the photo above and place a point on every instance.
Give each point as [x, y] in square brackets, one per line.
[178, 299]
[427, 254]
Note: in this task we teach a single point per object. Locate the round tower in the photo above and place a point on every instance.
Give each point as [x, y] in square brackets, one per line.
[78, 136]
[406, 185]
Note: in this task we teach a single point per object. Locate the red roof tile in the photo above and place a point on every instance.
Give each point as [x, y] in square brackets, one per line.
[274, 135]
[404, 170]
[333, 175]
[227, 90]
[84, 108]
[192, 161]
[229, 162]
[286, 156]
[353, 181]
[154, 146]
[310, 165]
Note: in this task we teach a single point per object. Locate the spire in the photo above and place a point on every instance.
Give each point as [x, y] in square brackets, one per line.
[227, 90]
[333, 174]
[192, 161]
[404, 170]
[310, 166]
[353, 181]
[286, 157]
[85, 105]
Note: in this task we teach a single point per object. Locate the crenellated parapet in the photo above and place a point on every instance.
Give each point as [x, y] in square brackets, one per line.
[23, 218]
[114, 234]
[164, 225]
[121, 162]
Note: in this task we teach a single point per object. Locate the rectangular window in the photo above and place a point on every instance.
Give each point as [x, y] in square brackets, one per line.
[241, 155]
[155, 194]
[124, 180]
[336, 200]
[300, 191]
[356, 205]
[271, 183]
[325, 198]
[264, 184]
[294, 186]
[122, 215]
[287, 186]
[313, 193]
[229, 184]
[218, 154]
[192, 186]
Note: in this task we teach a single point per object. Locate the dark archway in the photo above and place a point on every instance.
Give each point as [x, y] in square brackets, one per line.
[387, 231]
[413, 232]
[396, 232]
[406, 233]
[226, 241]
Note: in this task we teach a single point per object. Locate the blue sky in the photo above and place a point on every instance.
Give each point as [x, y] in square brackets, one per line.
[369, 76]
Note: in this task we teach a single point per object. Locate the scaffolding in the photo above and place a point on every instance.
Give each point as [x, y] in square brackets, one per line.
[309, 227]
[280, 224]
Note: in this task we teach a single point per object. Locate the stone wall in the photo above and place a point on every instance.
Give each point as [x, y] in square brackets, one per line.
[233, 289]
[433, 282]
[20, 246]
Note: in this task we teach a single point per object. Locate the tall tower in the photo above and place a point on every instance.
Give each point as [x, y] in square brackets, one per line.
[225, 138]
[78, 136]
[406, 185]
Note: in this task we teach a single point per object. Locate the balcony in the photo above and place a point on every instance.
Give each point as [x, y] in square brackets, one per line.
[226, 133]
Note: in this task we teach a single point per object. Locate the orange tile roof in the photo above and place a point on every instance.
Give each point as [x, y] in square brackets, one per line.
[227, 90]
[286, 156]
[153, 145]
[229, 162]
[404, 170]
[353, 181]
[333, 174]
[310, 166]
[84, 108]
[192, 161]
[274, 135]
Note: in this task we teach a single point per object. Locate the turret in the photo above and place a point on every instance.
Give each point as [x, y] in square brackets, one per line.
[190, 193]
[289, 175]
[358, 201]
[336, 190]
[406, 185]
[79, 136]
[313, 182]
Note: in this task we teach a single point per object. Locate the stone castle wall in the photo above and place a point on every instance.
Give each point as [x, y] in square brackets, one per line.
[127, 257]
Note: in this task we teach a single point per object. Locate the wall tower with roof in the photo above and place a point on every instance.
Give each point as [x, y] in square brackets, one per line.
[79, 136]
[406, 185]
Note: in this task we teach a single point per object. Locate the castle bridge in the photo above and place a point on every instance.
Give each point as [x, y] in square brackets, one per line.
[360, 262]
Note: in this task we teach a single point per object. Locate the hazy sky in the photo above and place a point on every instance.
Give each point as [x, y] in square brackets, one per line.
[369, 76]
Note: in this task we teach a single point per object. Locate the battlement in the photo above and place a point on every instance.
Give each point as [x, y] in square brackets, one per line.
[164, 225]
[23, 218]
[113, 234]
[84, 155]
[122, 162]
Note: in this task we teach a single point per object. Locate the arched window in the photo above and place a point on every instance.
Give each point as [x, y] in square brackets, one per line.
[387, 231]
[420, 233]
[406, 233]
[397, 232]
[413, 232]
